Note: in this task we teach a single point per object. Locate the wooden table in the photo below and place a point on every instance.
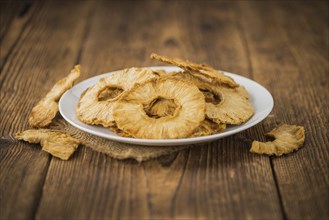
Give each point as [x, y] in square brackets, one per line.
[283, 45]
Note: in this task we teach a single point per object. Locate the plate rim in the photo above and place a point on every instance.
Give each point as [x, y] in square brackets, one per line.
[166, 142]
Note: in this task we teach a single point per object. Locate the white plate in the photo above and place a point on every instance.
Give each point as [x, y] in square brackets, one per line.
[261, 99]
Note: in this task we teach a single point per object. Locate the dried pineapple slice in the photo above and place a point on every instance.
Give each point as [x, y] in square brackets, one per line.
[130, 116]
[201, 71]
[224, 105]
[233, 108]
[165, 107]
[56, 143]
[160, 72]
[95, 104]
[45, 111]
[288, 138]
[208, 127]
[119, 132]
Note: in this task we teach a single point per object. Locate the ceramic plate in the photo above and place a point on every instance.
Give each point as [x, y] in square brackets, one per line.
[260, 98]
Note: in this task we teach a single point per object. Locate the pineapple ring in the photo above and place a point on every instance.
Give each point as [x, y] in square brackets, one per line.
[164, 107]
[234, 108]
[228, 105]
[131, 118]
[96, 103]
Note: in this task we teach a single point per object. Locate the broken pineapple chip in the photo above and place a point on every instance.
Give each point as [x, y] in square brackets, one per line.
[224, 105]
[131, 117]
[45, 111]
[288, 138]
[201, 71]
[96, 103]
[56, 143]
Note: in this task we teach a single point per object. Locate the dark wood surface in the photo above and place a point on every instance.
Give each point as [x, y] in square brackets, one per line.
[283, 45]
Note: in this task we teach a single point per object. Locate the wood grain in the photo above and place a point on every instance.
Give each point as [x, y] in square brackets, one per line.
[14, 19]
[25, 78]
[9, 10]
[219, 180]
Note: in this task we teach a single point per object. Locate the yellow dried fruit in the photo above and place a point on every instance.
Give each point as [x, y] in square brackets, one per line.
[224, 105]
[119, 132]
[208, 127]
[288, 138]
[45, 111]
[130, 116]
[160, 72]
[233, 108]
[56, 143]
[201, 71]
[96, 103]
[164, 107]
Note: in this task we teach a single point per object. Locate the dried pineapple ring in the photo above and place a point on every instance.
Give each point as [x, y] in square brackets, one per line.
[130, 116]
[201, 71]
[95, 104]
[224, 105]
[233, 108]
[287, 139]
[164, 107]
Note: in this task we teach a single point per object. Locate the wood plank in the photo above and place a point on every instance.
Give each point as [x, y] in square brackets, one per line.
[46, 50]
[290, 55]
[8, 11]
[14, 18]
[218, 180]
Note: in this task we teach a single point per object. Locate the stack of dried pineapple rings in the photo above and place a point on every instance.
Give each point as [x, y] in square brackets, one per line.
[141, 103]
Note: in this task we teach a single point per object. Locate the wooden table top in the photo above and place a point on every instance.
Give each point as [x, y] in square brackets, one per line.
[283, 45]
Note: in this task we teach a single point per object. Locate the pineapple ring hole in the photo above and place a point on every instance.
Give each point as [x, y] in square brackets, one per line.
[161, 107]
[211, 96]
[109, 92]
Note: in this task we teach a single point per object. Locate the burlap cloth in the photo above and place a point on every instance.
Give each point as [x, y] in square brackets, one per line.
[114, 149]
